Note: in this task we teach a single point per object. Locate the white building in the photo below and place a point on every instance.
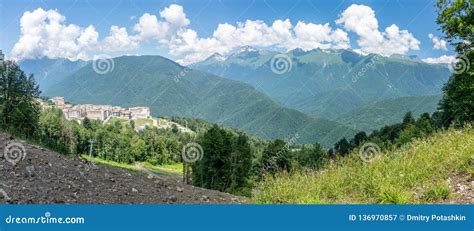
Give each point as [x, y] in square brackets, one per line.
[58, 100]
[140, 112]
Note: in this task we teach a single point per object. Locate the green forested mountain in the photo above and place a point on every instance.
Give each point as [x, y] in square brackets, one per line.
[375, 115]
[172, 90]
[50, 71]
[329, 83]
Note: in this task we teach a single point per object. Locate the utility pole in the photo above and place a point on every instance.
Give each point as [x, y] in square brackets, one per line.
[91, 142]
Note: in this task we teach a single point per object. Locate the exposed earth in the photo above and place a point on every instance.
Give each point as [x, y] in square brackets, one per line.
[45, 177]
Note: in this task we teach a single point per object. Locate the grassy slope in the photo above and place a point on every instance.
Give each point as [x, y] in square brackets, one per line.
[416, 173]
[166, 170]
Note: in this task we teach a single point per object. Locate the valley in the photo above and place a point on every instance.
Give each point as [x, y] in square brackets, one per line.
[328, 94]
[195, 95]
[330, 83]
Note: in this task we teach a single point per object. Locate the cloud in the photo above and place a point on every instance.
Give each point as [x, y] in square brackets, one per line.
[44, 34]
[361, 20]
[442, 59]
[119, 40]
[438, 44]
[280, 34]
[149, 27]
[310, 36]
[174, 14]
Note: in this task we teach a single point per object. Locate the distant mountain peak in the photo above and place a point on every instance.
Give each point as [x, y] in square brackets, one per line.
[406, 57]
[216, 57]
[245, 52]
[245, 49]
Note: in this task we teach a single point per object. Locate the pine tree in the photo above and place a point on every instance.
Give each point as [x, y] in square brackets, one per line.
[19, 108]
[342, 147]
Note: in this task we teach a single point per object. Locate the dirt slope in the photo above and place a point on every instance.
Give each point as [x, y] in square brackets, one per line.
[43, 176]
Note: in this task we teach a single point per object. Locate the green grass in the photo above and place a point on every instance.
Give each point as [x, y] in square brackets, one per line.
[141, 121]
[166, 170]
[415, 173]
[109, 163]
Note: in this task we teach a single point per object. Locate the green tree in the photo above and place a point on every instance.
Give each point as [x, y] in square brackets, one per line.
[241, 166]
[358, 139]
[19, 108]
[55, 132]
[174, 129]
[456, 19]
[276, 157]
[408, 119]
[213, 170]
[87, 123]
[342, 147]
[314, 157]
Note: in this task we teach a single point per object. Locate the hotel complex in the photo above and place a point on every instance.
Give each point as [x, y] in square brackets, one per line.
[98, 112]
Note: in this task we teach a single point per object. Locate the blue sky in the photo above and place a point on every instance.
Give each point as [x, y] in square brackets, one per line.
[190, 33]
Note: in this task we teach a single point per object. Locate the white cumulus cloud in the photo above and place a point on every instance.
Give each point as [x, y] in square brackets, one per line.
[119, 40]
[442, 59]
[281, 34]
[438, 44]
[44, 34]
[361, 20]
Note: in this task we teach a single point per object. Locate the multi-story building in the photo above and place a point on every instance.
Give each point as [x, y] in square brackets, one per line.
[116, 111]
[58, 101]
[98, 112]
[125, 114]
[96, 115]
[140, 112]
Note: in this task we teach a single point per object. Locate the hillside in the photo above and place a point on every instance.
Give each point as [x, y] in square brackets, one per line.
[438, 169]
[172, 90]
[328, 83]
[50, 71]
[46, 177]
[375, 115]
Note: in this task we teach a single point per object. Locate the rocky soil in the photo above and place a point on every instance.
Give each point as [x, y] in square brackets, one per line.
[463, 187]
[40, 176]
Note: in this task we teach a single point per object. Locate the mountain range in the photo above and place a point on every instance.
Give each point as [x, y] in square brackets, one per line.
[49, 72]
[329, 83]
[322, 96]
[170, 89]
